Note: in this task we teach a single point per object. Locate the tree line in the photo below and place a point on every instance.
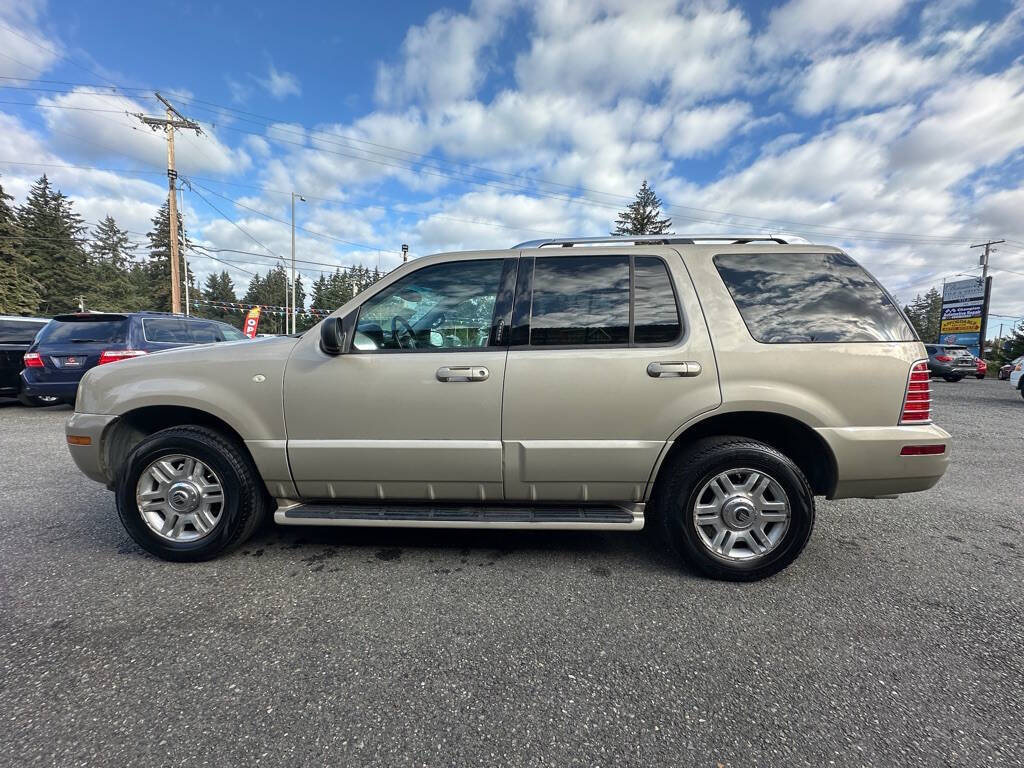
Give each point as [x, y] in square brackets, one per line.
[52, 263]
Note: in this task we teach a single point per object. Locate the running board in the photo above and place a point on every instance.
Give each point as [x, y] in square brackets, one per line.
[624, 517]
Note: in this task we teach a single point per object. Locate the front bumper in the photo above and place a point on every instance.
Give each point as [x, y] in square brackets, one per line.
[89, 458]
[869, 463]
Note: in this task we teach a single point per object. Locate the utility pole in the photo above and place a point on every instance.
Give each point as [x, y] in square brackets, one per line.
[174, 119]
[294, 195]
[986, 281]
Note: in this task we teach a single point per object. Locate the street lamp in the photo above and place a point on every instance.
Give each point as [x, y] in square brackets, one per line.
[294, 195]
[405, 253]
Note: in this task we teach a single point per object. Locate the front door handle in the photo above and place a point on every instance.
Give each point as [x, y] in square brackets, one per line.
[463, 373]
[688, 368]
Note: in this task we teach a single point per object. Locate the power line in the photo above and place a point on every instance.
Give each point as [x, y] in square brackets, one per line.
[423, 167]
[235, 224]
[282, 221]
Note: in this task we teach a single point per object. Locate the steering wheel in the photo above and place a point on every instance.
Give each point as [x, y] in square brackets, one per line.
[401, 337]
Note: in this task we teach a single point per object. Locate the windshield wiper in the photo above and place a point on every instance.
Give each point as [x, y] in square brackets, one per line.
[86, 341]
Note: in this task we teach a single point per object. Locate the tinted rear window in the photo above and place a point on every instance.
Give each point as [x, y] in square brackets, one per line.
[810, 298]
[655, 312]
[84, 331]
[19, 331]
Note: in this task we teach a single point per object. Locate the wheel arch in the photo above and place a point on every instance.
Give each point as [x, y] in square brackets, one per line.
[788, 435]
[135, 425]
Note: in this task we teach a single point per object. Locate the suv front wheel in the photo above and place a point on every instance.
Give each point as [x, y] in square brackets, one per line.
[735, 508]
[190, 493]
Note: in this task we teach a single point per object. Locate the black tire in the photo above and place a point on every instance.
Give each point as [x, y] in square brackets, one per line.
[685, 474]
[978, 376]
[245, 502]
[31, 401]
[951, 378]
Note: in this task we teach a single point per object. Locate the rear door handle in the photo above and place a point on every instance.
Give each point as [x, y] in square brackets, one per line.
[668, 369]
[463, 373]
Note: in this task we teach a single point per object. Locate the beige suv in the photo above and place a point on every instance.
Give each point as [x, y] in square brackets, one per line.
[707, 387]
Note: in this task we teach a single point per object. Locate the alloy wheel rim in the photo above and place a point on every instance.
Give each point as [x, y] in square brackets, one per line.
[180, 498]
[741, 514]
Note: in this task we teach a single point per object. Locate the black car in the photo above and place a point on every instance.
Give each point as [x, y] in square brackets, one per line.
[16, 336]
[70, 345]
[951, 361]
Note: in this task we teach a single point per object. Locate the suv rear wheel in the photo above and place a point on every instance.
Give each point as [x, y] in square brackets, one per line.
[189, 493]
[734, 508]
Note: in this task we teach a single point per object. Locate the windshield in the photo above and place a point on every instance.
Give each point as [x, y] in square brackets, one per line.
[85, 330]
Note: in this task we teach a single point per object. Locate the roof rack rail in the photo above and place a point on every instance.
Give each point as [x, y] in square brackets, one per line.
[569, 242]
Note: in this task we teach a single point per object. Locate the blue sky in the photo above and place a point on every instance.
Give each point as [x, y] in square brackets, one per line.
[892, 128]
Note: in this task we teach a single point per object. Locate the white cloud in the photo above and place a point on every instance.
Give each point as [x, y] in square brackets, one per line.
[607, 50]
[441, 60]
[25, 51]
[705, 128]
[807, 24]
[280, 85]
[112, 132]
[875, 75]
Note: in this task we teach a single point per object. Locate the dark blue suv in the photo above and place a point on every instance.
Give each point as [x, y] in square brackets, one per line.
[69, 345]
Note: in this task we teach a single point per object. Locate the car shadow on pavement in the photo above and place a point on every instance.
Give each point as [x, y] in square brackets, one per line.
[445, 545]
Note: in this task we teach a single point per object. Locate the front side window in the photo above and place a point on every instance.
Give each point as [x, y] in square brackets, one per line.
[443, 306]
[810, 298]
[204, 333]
[230, 333]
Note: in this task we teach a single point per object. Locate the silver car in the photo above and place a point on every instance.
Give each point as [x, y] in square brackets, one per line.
[705, 386]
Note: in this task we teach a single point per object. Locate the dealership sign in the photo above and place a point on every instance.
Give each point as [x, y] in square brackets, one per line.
[963, 306]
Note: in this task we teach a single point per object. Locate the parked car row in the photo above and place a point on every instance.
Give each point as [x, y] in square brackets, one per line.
[42, 361]
[1006, 370]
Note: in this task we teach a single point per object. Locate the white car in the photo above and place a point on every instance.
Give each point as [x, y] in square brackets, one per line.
[1017, 376]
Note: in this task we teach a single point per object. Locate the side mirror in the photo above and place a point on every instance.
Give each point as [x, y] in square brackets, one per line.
[332, 336]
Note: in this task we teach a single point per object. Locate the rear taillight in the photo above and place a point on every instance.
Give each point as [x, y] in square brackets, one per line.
[33, 360]
[943, 358]
[917, 402]
[113, 355]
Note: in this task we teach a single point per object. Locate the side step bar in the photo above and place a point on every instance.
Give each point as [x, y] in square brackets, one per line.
[622, 517]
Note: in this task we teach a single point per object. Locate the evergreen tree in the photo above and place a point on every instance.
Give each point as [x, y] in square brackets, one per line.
[51, 233]
[219, 287]
[925, 314]
[643, 215]
[112, 259]
[154, 281]
[19, 290]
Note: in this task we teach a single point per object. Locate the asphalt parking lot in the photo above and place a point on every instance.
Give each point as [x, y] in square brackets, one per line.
[896, 639]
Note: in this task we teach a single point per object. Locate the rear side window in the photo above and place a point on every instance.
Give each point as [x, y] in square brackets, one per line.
[166, 330]
[810, 298]
[19, 331]
[84, 331]
[655, 311]
[580, 300]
